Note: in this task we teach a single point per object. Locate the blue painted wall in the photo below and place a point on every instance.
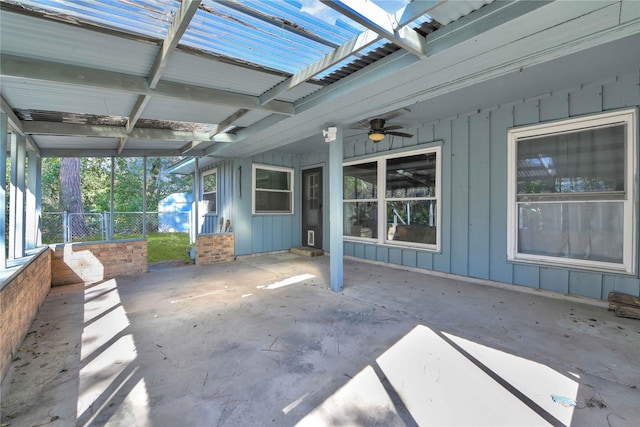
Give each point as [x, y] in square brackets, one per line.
[474, 193]
[211, 223]
[474, 190]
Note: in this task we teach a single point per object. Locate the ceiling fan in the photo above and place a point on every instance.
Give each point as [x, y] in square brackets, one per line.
[377, 130]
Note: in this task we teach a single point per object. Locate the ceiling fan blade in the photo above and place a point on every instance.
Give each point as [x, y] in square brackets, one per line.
[404, 135]
[360, 124]
[393, 127]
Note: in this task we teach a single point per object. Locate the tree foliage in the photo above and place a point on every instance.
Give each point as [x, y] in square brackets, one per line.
[94, 176]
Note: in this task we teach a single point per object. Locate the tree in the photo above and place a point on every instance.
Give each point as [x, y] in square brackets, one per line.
[70, 186]
[71, 194]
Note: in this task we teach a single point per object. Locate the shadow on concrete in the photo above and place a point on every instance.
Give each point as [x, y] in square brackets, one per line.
[263, 341]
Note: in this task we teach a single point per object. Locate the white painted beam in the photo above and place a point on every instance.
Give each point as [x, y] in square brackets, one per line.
[214, 132]
[136, 112]
[220, 127]
[353, 46]
[33, 69]
[106, 131]
[190, 146]
[33, 220]
[16, 195]
[276, 21]
[224, 140]
[89, 152]
[179, 25]
[385, 24]
[482, 20]
[404, 16]
[122, 143]
[4, 128]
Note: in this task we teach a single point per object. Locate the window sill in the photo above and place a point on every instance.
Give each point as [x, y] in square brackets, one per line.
[593, 266]
[399, 245]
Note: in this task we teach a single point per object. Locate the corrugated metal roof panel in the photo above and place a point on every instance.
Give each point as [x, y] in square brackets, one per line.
[288, 38]
[299, 92]
[151, 18]
[453, 10]
[188, 111]
[73, 45]
[50, 142]
[192, 69]
[25, 94]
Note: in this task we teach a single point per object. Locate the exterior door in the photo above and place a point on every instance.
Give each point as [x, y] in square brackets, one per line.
[312, 208]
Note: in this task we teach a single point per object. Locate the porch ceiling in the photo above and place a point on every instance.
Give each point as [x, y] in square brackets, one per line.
[164, 77]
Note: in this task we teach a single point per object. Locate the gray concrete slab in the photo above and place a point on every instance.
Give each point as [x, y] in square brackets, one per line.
[263, 341]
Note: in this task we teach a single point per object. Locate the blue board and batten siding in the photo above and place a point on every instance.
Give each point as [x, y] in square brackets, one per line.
[211, 222]
[474, 190]
[473, 193]
[264, 233]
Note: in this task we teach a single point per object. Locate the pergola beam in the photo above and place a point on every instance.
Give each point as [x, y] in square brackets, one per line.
[278, 22]
[84, 152]
[106, 131]
[346, 50]
[385, 24]
[403, 17]
[227, 122]
[32, 69]
[179, 25]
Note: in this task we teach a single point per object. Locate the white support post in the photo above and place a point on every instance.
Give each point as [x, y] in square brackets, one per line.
[335, 219]
[144, 198]
[196, 199]
[16, 204]
[33, 235]
[3, 184]
[111, 202]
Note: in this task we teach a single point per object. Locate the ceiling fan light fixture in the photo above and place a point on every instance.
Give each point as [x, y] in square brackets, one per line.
[376, 136]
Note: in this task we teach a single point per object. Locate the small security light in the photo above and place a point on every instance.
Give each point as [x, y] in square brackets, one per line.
[329, 134]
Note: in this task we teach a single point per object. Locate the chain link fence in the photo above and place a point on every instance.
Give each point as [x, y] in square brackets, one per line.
[63, 227]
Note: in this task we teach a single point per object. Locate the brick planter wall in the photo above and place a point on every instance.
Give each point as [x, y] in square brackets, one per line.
[93, 262]
[214, 248]
[21, 295]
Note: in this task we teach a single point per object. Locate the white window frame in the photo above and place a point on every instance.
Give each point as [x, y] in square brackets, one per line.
[291, 171]
[381, 200]
[627, 117]
[202, 175]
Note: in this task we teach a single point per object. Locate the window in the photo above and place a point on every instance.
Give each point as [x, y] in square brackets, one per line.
[272, 190]
[210, 191]
[360, 192]
[407, 210]
[571, 192]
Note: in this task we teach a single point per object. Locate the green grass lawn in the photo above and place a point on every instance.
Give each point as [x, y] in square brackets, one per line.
[167, 246]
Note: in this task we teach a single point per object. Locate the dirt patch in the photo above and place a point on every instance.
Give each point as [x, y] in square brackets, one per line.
[172, 263]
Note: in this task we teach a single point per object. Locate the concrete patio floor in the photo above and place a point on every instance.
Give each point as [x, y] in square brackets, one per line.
[262, 341]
